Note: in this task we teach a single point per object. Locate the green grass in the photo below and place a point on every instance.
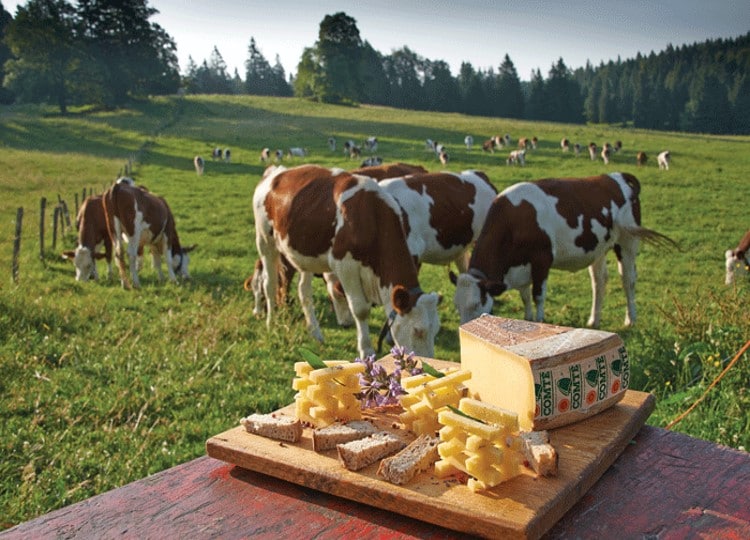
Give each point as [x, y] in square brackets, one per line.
[101, 386]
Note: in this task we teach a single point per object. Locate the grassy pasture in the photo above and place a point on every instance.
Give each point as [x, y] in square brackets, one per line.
[100, 386]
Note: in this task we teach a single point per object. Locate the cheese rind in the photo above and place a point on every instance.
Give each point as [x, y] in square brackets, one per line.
[549, 375]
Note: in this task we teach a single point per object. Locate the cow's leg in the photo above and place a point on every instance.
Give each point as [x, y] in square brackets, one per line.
[305, 291]
[528, 312]
[539, 275]
[133, 260]
[338, 299]
[120, 259]
[626, 254]
[108, 257]
[462, 262]
[269, 276]
[360, 308]
[598, 273]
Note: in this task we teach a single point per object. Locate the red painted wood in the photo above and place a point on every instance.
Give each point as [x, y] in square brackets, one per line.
[664, 485]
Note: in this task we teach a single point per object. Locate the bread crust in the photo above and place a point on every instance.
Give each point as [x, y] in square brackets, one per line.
[274, 426]
[417, 457]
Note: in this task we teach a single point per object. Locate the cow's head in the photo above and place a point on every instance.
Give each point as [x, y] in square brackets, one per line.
[737, 265]
[84, 261]
[181, 260]
[474, 295]
[416, 322]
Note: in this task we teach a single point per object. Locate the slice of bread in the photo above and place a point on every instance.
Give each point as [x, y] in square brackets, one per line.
[419, 456]
[540, 454]
[329, 437]
[274, 426]
[356, 455]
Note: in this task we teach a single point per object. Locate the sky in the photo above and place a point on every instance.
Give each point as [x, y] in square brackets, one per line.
[534, 33]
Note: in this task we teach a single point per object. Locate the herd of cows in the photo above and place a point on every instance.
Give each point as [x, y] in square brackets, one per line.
[367, 231]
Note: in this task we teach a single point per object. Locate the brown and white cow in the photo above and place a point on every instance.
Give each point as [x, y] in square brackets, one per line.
[138, 218]
[555, 223]
[92, 231]
[332, 221]
[737, 260]
[389, 170]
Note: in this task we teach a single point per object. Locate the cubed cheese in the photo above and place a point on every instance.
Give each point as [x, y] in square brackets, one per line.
[549, 375]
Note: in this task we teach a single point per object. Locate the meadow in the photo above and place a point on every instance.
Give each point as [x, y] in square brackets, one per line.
[100, 386]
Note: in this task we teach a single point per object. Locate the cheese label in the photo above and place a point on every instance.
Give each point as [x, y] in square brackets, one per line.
[581, 385]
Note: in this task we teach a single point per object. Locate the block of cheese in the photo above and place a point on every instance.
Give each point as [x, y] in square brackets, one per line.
[549, 375]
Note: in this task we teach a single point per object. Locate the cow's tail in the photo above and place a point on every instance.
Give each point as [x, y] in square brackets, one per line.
[650, 236]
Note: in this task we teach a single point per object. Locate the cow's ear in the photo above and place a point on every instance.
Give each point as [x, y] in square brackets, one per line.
[494, 288]
[453, 277]
[68, 255]
[189, 249]
[401, 300]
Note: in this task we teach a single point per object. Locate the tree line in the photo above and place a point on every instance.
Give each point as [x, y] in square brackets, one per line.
[104, 54]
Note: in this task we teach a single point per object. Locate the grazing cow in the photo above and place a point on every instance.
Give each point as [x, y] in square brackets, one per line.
[443, 157]
[517, 157]
[577, 149]
[592, 151]
[371, 144]
[489, 145]
[372, 161]
[92, 231]
[663, 160]
[439, 149]
[565, 145]
[641, 158]
[506, 138]
[606, 153]
[227, 155]
[389, 170]
[555, 223]
[523, 143]
[332, 144]
[332, 221]
[199, 165]
[469, 142]
[279, 155]
[348, 145]
[443, 213]
[737, 261]
[498, 141]
[265, 154]
[137, 217]
[429, 144]
[216, 153]
[618, 146]
[296, 151]
[534, 143]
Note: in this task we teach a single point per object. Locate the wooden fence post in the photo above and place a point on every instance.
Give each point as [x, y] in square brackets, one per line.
[57, 218]
[75, 201]
[64, 209]
[43, 208]
[17, 243]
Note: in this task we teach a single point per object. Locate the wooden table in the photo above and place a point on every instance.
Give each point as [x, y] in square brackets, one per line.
[664, 485]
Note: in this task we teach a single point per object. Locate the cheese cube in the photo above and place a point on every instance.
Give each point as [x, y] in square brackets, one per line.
[549, 375]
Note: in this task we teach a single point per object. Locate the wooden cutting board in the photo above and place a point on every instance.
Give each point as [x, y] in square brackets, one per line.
[524, 507]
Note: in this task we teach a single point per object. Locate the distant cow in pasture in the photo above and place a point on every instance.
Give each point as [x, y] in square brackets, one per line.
[641, 158]
[663, 160]
[565, 145]
[567, 224]
[372, 161]
[296, 151]
[606, 153]
[489, 145]
[327, 221]
[92, 232]
[517, 157]
[618, 146]
[216, 153]
[332, 144]
[371, 144]
[443, 157]
[577, 149]
[524, 143]
[592, 151]
[469, 142]
[534, 143]
[737, 260]
[199, 164]
[139, 218]
[278, 155]
[265, 154]
[227, 155]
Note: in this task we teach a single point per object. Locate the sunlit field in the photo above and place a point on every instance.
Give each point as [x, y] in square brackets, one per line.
[100, 386]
